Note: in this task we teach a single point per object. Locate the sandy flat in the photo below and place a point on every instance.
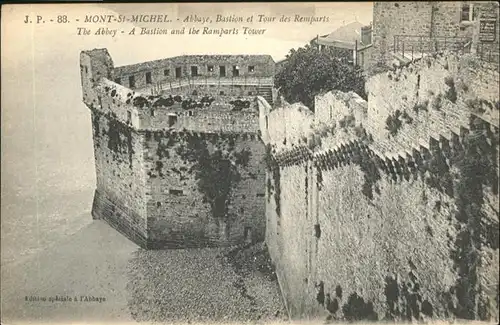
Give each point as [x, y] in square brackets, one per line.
[92, 262]
[98, 263]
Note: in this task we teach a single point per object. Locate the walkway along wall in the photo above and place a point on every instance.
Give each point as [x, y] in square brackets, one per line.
[389, 208]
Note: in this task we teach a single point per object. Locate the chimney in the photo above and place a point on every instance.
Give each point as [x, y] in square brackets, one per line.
[366, 35]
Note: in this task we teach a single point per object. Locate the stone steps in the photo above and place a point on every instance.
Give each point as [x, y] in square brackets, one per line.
[266, 92]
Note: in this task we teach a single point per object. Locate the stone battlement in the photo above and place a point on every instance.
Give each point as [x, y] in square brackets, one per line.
[219, 113]
[162, 112]
[180, 168]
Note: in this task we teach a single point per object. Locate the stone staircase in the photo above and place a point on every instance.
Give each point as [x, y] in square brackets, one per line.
[266, 92]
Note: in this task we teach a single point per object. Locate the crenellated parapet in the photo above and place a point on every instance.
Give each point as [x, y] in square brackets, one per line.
[409, 108]
[351, 146]
[198, 113]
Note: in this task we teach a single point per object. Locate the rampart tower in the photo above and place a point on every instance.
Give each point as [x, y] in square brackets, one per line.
[178, 155]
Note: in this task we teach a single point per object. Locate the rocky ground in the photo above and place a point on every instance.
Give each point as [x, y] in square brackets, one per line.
[204, 285]
[189, 286]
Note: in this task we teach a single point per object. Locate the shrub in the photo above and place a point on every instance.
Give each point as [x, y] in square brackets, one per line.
[421, 106]
[437, 102]
[393, 123]
[451, 93]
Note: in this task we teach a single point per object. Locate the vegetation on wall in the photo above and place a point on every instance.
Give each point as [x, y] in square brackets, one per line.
[308, 72]
[96, 117]
[215, 169]
[439, 176]
[371, 174]
[164, 145]
[393, 122]
[239, 104]
[243, 157]
[478, 167]
[404, 299]
[273, 169]
[437, 102]
[421, 107]
[119, 137]
[348, 121]
[451, 93]
[354, 309]
[362, 134]
[477, 105]
[216, 175]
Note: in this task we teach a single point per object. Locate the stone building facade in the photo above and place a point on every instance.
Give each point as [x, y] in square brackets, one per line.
[429, 26]
[235, 74]
[178, 169]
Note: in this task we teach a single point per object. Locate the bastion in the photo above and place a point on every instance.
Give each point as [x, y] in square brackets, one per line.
[178, 156]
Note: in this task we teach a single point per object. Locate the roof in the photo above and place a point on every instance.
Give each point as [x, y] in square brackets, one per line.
[337, 44]
[347, 33]
[343, 37]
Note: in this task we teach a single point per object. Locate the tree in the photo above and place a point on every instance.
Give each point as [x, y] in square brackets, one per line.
[308, 71]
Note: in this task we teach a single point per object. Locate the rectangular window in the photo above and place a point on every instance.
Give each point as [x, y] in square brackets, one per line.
[148, 77]
[178, 72]
[175, 192]
[129, 117]
[210, 68]
[172, 119]
[118, 81]
[222, 71]
[251, 68]
[236, 71]
[194, 71]
[131, 81]
[166, 72]
[466, 14]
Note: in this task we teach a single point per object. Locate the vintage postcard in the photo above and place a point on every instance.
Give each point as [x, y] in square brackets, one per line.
[250, 163]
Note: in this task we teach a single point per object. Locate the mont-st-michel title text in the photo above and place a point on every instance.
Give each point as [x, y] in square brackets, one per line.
[166, 24]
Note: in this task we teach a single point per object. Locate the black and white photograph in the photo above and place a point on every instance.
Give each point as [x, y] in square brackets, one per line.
[250, 163]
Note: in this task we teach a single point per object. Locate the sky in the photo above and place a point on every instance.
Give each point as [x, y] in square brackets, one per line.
[46, 137]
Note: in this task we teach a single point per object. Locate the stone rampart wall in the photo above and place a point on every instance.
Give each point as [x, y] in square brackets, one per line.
[411, 199]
